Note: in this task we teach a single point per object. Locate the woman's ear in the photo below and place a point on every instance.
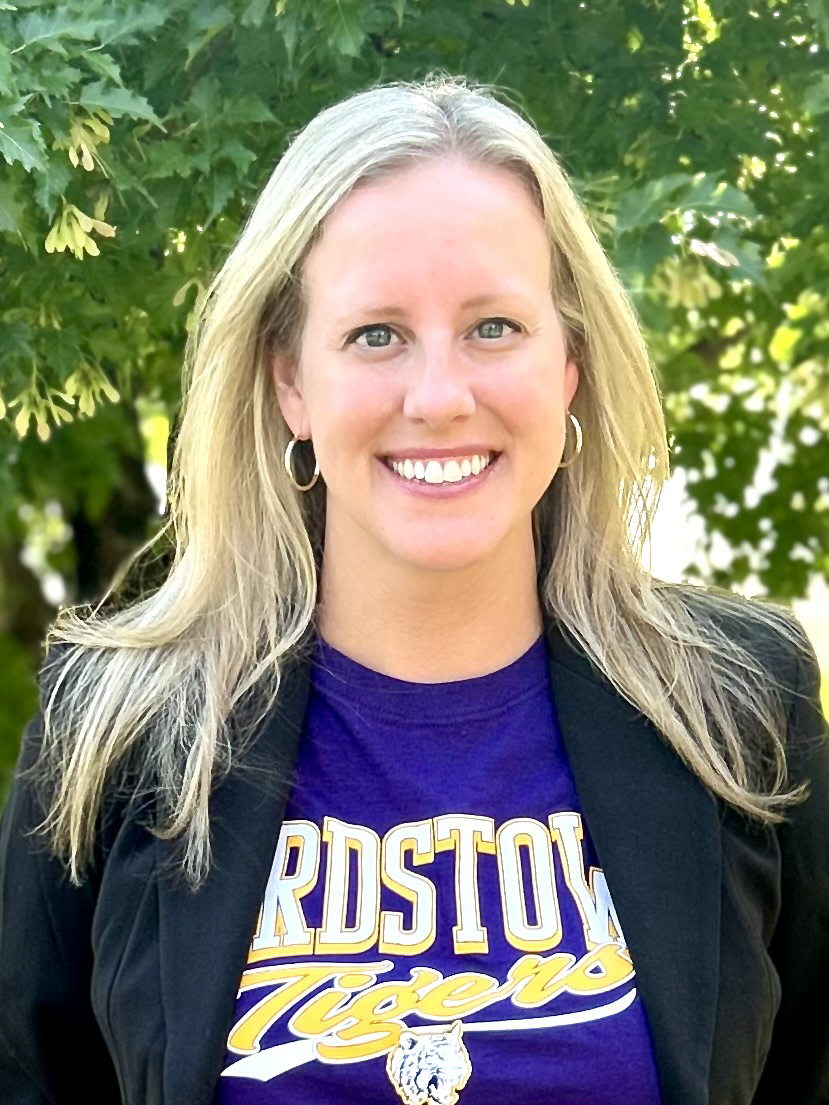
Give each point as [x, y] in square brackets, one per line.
[289, 394]
[571, 381]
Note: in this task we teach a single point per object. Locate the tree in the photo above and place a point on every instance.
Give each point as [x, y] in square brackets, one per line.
[135, 135]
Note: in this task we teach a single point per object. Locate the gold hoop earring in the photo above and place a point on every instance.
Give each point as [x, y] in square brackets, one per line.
[579, 440]
[289, 469]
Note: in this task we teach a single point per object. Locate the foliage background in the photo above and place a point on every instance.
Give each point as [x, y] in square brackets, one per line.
[135, 134]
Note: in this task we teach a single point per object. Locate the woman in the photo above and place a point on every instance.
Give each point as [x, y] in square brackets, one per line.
[409, 740]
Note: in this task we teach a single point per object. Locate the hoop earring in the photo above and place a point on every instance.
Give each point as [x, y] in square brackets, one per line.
[289, 468]
[579, 440]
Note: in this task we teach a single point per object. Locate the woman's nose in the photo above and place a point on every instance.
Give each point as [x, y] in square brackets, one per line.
[438, 389]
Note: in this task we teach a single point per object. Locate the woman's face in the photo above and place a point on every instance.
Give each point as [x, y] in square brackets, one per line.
[431, 346]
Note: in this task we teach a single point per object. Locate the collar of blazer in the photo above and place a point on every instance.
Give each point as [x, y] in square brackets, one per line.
[655, 828]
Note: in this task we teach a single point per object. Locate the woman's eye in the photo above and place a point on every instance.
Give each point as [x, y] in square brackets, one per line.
[494, 327]
[377, 337]
[380, 336]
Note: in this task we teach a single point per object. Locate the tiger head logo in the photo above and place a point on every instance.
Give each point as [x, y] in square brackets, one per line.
[429, 1065]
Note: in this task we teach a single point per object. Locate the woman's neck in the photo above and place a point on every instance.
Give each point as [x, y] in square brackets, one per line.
[431, 627]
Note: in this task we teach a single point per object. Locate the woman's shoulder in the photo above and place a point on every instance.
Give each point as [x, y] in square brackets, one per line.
[777, 642]
[769, 631]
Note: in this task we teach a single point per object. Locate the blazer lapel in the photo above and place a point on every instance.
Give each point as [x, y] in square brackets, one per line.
[656, 832]
[204, 936]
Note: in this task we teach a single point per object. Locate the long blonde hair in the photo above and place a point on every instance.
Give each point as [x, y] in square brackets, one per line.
[154, 685]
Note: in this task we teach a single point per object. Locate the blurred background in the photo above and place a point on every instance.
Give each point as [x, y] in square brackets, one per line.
[135, 134]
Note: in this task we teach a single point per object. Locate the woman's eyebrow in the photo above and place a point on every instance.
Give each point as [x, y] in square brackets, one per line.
[393, 310]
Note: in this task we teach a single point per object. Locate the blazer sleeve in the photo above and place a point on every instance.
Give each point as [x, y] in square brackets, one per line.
[797, 1066]
[48, 1032]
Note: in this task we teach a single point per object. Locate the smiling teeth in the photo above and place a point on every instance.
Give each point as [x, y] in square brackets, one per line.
[433, 471]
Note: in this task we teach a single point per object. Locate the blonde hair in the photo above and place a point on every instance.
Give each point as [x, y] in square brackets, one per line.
[156, 689]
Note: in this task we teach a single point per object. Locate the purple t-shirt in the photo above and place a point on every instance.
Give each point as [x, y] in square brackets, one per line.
[436, 928]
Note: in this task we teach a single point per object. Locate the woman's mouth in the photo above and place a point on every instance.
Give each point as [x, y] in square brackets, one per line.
[431, 470]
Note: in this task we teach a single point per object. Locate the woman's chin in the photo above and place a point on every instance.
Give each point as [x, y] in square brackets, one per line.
[447, 555]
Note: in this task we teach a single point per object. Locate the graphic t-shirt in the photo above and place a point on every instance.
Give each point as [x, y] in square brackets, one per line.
[435, 928]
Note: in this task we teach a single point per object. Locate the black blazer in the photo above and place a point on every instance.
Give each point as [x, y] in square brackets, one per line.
[124, 989]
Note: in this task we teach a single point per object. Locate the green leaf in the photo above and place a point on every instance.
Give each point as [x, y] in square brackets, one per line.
[206, 98]
[638, 255]
[750, 259]
[124, 180]
[347, 33]
[290, 25]
[55, 81]
[705, 194]
[15, 339]
[20, 141]
[709, 195]
[819, 11]
[118, 102]
[240, 155]
[649, 203]
[106, 344]
[143, 18]
[10, 208]
[166, 159]
[49, 30]
[7, 86]
[207, 17]
[52, 182]
[103, 65]
[816, 99]
[222, 188]
[205, 25]
[255, 12]
[247, 109]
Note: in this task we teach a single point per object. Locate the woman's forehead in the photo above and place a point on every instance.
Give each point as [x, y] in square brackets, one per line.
[430, 186]
[474, 224]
